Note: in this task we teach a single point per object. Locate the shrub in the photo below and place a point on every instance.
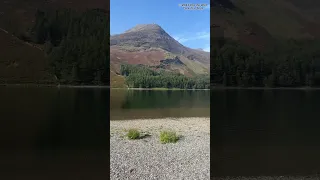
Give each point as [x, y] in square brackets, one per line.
[168, 137]
[133, 134]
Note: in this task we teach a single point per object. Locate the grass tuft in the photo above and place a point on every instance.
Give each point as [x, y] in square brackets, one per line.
[168, 137]
[133, 134]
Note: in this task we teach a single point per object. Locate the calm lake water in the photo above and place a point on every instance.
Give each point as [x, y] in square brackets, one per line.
[141, 104]
[265, 132]
[48, 133]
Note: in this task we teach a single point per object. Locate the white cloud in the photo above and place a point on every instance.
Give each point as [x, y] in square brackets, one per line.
[175, 37]
[182, 40]
[203, 35]
[190, 37]
[207, 49]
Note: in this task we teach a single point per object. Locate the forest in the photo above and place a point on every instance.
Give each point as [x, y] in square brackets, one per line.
[290, 63]
[140, 76]
[76, 44]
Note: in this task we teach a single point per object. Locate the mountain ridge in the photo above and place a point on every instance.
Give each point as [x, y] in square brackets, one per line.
[153, 35]
[148, 27]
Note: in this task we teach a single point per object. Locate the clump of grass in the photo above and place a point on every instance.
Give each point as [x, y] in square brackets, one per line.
[133, 134]
[168, 137]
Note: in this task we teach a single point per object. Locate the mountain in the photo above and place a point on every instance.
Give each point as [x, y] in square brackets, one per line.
[150, 45]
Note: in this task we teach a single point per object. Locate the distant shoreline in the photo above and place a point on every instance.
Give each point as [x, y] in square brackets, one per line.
[55, 85]
[264, 88]
[163, 89]
[158, 89]
[94, 86]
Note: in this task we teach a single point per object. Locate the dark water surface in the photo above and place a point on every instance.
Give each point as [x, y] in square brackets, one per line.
[48, 133]
[140, 104]
[265, 132]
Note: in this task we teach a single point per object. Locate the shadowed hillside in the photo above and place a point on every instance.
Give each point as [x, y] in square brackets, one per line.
[265, 43]
[48, 42]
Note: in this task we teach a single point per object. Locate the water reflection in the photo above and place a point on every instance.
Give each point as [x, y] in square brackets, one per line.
[54, 130]
[135, 104]
[265, 132]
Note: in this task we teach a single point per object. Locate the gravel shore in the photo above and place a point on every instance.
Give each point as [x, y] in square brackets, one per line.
[147, 158]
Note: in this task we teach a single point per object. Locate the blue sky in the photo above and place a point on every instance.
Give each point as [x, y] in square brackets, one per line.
[190, 27]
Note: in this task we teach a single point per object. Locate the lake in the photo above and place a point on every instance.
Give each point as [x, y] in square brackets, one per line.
[46, 131]
[142, 104]
[52, 133]
[55, 131]
[265, 132]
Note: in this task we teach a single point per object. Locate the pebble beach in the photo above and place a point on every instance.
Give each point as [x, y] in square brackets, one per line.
[147, 158]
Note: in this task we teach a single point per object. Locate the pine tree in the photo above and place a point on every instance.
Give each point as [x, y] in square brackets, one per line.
[75, 73]
[225, 79]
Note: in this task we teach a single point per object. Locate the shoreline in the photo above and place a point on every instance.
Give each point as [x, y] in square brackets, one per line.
[147, 158]
[265, 88]
[162, 89]
[55, 86]
[157, 89]
[175, 123]
[96, 86]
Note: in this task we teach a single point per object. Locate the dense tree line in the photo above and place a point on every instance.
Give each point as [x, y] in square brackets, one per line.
[290, 63]
[140, 76]
[77, 44]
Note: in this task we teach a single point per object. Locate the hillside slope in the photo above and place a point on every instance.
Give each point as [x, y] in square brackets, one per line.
[258, 22]
[265, 43]
[25, 56]
[22, 63]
